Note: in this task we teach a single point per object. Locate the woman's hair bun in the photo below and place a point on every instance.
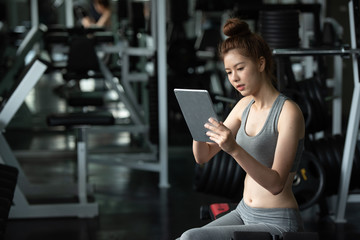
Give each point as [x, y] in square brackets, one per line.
[235, 26]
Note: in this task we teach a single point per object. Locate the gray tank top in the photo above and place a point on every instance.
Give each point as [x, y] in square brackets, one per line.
[262, 146]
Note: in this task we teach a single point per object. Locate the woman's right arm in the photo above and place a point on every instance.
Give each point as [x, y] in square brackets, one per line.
[204, 151]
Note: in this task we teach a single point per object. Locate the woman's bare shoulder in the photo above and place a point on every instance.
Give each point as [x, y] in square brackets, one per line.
[244, 102]
[292, 108]
[240, 106]
[291, 115]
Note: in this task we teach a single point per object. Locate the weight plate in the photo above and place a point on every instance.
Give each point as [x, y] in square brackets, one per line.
[275, 27]
[331, 148]
[202, 173]
[290, 18]
[321, 103]
[317, 123]
[224, 162]
[216, 160]
[278, 23]
[281, 35]
[323, 161]
[279, 40]
[279, 13]
[283, 45]
[309, 184]
[302, 86]
[332, 180]
[229, 175]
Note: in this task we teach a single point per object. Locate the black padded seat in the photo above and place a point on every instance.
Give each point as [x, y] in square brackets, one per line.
[57, 38]
[268, 236]
[8, 172]
[300, 236]
[8, 181]
[104, 37]
[81, 118]
[82, 99]
[252, 236]
[82, 59]
[82, 75]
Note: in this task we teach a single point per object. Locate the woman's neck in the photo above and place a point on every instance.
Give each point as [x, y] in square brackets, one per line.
[265, 97]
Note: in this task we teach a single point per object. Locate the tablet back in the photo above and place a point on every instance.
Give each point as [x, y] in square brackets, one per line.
[197, 108]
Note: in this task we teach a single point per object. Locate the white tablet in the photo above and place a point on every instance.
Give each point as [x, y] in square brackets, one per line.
[196, 107]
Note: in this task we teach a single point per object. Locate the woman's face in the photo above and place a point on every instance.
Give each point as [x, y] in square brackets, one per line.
[99, 8]
[242, 72]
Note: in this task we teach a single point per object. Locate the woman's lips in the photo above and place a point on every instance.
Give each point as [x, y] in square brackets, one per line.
[240, 87]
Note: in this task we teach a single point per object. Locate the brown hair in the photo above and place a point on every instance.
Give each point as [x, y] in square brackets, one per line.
[248, 44]
[104, 3]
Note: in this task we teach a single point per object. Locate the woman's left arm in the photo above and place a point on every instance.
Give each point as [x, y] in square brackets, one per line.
[104, 19]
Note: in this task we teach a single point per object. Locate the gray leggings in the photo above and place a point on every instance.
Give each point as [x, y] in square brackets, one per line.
[276, 221]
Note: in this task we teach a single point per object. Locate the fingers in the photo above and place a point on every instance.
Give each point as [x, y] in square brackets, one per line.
[213, 121]
[214, 129]
[213, 124]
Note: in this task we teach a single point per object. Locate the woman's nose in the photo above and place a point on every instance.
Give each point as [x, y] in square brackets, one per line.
[235, 78]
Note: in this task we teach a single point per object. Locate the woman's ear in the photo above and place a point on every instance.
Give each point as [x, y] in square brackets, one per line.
[262, 63]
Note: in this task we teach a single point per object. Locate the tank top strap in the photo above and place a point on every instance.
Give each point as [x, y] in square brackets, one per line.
[275, 111]
[245, 113]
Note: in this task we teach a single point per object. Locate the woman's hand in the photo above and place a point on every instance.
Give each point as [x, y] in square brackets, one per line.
[86, 22]
[221, 135]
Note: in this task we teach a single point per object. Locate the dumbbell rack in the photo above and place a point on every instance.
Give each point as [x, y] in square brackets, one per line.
[351, 138]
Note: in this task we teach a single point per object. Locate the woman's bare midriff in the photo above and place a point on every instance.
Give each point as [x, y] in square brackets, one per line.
[258, 197]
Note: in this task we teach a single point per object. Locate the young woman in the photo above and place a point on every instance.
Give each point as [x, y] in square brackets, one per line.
[264, 133]
[104, 9]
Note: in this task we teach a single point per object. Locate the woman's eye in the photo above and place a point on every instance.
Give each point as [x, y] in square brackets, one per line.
[228, 73]
[240, 69]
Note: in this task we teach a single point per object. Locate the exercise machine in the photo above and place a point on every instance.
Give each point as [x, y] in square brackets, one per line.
[22, 207]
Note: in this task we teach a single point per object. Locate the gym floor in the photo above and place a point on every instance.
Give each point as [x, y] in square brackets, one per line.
[131, 204]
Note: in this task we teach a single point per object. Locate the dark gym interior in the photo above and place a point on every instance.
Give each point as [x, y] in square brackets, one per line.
[94, 146]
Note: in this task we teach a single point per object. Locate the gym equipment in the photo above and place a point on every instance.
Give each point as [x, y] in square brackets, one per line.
[22, 208]
[311, 90]
[300, 236]
[343, 195]
[329, 151]
[280, 28]
[8, 180]
[309, 181]
[353, 122]
[155, 156]
[81, 121]
[216, 210]
[27, 44]
[222, 176]
[252, 236]
[286, 236]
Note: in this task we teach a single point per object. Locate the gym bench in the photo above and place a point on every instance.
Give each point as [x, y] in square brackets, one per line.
[81, 121]
[268, 236]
